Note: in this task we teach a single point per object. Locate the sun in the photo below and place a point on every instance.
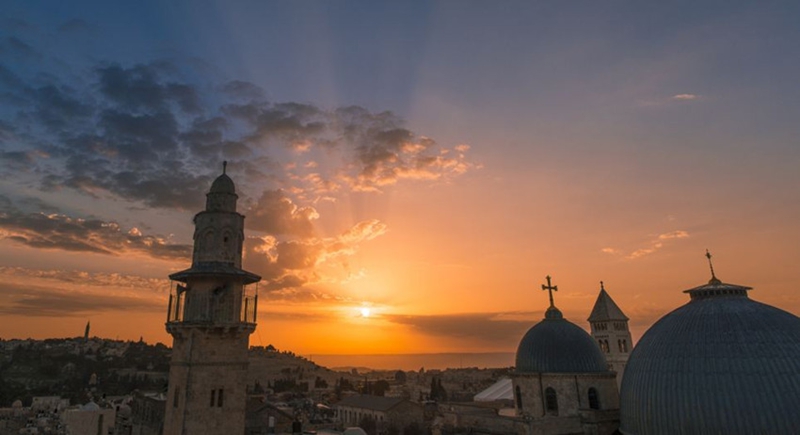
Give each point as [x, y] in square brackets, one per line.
[365, 312]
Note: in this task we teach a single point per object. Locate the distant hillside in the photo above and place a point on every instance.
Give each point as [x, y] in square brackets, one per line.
[79, 369]
[416, 361]
[268, 365]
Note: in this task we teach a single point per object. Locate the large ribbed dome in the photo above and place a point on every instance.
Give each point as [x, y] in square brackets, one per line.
[721, 364]
[556, 345]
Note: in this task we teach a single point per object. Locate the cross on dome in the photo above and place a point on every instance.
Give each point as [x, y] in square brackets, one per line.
[550, 288]
[714, 279]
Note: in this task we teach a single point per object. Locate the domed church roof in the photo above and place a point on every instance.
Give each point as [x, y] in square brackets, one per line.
[722, 363]
[556, 345]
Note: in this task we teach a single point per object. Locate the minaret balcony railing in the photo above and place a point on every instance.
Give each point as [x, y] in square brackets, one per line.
[205, 308]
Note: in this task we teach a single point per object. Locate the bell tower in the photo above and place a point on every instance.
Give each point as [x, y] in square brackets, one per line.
[610, 328]
[211, 315]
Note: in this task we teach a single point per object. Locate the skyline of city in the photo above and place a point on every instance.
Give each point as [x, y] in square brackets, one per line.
[409, 173]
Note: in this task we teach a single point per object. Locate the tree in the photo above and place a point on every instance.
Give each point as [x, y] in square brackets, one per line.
[379, 388]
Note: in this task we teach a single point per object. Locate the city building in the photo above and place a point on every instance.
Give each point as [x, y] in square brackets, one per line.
[210, 317]
[562, 383]
[720, 364]
[384, 411]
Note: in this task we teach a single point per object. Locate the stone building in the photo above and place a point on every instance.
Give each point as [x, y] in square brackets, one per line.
[609, 327]
[266, 418]
[384, 411]
[561, 381]
[89, 419]
[720, 364]
[210, 317]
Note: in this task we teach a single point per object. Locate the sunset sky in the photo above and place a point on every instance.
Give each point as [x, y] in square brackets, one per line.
[409, 171]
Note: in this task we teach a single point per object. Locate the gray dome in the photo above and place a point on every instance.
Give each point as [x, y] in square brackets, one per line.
[223, 184]
[722, 363]
[556, 345]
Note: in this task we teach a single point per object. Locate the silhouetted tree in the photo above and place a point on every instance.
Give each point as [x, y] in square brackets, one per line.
[380, 388]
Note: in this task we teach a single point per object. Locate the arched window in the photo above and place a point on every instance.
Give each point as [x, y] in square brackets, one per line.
[550, 401]
[619, 344]
[519, 397]
[594, 401]
[624, 345]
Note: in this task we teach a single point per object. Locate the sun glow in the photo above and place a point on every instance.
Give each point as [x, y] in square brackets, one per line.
[365, 312]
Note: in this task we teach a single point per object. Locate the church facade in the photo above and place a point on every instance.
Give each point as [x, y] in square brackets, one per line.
[562, 382]
[210, 317]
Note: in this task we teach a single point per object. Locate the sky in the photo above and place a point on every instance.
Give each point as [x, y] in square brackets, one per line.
[409, 171]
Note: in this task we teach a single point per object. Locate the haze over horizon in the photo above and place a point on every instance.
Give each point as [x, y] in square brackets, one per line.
[409, 172]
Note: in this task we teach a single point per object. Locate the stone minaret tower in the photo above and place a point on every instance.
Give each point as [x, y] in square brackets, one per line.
[210, 318]
[610, 329]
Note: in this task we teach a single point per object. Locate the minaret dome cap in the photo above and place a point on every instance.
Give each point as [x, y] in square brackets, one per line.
[223, 183]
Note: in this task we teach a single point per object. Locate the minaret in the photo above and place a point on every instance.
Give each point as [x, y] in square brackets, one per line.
[86, 331]
[610, 328]
[210, 318]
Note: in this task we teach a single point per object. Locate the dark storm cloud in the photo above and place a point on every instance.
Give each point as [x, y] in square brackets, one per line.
[36, 301]
[141, 88]
[244, 90]
[57, 231]
[144, 134]
[57, 109]
[149, 135]
[284, 121]
[502, 329]
[18, 157]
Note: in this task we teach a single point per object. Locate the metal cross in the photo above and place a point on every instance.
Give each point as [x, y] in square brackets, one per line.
[711, 266]
[550, 289]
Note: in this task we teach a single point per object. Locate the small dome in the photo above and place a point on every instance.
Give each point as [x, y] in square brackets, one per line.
[556, 345]
[91, 406]
[223, 184]
[722, 363]
[17, 404]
